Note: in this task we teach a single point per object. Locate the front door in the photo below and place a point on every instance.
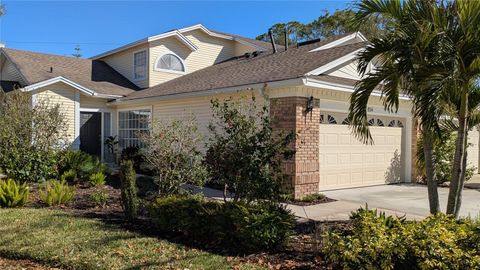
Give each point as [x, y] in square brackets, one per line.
[91, 132]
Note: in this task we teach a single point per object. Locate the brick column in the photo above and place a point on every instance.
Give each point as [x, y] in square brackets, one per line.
[288, 114]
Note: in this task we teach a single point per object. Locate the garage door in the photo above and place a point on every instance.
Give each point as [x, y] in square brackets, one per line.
[472, 150]
[345, 162]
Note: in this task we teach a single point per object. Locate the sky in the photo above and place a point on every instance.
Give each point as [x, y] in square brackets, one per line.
[57, 27]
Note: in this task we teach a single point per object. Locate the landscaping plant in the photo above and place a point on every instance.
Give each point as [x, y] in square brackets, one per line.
[171, 149]
[99, 198]
[30, 136]
[13, 194]
[97, 179]
[244, 154]
[234, 226]
[129, 189]
[380, 242]
[79, 166]
[57, 193]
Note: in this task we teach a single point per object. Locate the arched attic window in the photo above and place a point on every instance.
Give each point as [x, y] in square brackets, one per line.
[170, 62]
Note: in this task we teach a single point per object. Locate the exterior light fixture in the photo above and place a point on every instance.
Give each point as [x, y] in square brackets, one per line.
[309, 107]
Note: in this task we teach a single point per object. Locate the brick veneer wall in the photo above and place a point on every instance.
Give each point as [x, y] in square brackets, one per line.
[288, 114]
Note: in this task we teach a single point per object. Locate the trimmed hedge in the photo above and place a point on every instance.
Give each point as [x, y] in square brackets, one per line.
[234, 226]
[380, 242]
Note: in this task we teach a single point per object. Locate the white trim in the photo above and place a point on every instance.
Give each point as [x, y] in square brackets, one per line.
[335, 63]
[73, 84]
[146, 65]
[76, 139]
[169, 70]
[340, 87]
[179, 35]
[340, 41]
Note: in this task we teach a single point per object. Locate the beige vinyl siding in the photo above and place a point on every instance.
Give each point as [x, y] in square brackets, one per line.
[123, 63]
[348, 71]
[92, 102]
[64, 96]
[200, 107]
[210, 50]
[10, 73]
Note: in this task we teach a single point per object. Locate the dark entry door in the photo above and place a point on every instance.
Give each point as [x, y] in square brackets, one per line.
[91, 132]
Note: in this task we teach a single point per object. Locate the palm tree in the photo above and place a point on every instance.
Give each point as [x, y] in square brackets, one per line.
[404, 57]
[434, 49]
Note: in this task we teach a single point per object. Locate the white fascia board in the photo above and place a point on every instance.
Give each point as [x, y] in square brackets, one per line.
[226, 90]
[340, 41]
[340, 87]
[178, 35]
[124, 47]
[75, 85]
[335, 63]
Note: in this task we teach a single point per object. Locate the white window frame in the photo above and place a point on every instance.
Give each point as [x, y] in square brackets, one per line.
[169, 70]
[146, 65]
[117, 120]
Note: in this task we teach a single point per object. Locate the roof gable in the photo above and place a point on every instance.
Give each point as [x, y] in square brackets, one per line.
[94, 75]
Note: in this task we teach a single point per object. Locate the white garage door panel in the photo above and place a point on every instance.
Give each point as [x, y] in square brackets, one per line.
[472, 150]
[346, 162]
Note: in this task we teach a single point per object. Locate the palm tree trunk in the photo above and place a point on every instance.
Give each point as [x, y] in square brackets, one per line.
[430, 173]
[455, 191]
[462, 178]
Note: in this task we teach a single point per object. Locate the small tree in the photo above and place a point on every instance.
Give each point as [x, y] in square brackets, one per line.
[244, 154]
[30, 136]
[171, 150]
[128, 180]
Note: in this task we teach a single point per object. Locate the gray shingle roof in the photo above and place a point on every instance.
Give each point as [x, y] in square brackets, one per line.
[92, 74]
[266, 67]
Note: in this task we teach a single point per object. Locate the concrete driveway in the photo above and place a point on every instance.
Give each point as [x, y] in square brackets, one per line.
[409, 199]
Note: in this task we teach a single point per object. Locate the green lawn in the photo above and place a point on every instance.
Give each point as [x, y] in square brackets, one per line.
[55, 237]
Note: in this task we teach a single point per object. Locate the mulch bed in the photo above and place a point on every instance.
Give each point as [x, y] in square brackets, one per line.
[11, 264]
[302, 252]
[314, 202]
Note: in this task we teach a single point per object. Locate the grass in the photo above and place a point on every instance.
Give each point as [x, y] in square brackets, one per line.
[61, 239]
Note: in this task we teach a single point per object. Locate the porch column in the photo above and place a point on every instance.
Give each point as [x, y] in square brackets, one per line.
[288, 114]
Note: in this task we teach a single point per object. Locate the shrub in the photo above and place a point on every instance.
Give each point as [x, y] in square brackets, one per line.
[30, 137]
[234, 226]
[244, 154]
[380, 242]
[171, 150]
[57, 193]
[99, 198]
[79, 164]
[13, 194]
[443, 152]
[134, 154]
[69, 176]
[313, 197]
[129, 189]
[97, 179]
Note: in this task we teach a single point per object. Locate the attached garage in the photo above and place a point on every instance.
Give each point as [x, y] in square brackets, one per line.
[345, 162]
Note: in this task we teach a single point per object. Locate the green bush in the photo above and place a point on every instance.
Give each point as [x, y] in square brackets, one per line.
[30, 137]
[313, 197]
[234, 226]
[97, 179]
[69, 176]
[380, 242]
[99, 198]
[13, 194]
[244, 153]
[81, 164]
[129, 189]
[57, 193]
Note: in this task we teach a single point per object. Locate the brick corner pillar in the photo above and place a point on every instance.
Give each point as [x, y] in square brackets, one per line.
[288, 114]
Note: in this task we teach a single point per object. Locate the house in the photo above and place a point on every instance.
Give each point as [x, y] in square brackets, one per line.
[178, 72]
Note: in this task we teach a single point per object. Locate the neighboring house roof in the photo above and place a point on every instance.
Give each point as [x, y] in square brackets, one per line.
[178, 33]
[93, 75]
[296, 62]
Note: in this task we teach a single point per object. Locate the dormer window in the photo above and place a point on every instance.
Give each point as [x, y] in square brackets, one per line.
[140, 65]
[170, 62]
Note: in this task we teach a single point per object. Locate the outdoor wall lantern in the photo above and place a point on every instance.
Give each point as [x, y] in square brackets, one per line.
[309, 107]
